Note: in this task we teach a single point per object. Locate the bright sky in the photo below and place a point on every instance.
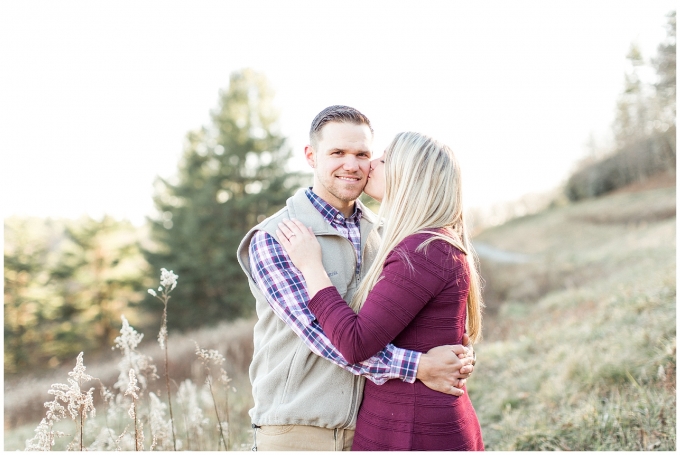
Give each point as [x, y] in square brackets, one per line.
[97, 97]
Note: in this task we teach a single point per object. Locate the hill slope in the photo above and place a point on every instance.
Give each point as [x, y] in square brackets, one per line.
[579, 349]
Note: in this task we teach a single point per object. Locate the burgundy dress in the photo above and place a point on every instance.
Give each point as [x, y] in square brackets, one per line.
[415, 308]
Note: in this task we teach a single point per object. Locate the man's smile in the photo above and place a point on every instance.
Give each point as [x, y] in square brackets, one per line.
[348, 178]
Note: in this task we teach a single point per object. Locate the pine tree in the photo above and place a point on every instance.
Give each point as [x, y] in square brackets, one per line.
[26, 299]
[100, 272]
[66, 284]
[665, 66]
[644, 127]
[633, 105]
[232, 175]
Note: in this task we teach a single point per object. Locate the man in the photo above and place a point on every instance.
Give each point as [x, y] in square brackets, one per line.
[303, 402]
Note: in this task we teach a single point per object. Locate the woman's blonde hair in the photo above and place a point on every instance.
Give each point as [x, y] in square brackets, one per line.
[423, 193]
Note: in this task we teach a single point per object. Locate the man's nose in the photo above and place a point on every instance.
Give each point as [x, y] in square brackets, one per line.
[351, 163]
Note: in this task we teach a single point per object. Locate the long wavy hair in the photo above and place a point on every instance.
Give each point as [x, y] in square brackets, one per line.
[423, 194]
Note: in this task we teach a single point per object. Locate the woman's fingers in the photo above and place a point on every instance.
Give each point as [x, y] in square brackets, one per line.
[306, 231]
[294, 228]
[281, 238]
[301, 227]
[287, 230]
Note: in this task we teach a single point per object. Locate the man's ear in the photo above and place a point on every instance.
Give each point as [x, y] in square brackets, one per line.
[310, 155]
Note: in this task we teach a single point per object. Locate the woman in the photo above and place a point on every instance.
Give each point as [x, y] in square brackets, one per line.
[422, 291]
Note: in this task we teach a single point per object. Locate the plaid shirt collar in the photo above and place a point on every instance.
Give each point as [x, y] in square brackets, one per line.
[330, 213]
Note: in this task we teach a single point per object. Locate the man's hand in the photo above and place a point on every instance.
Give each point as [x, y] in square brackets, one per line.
[446, 368]
[470, 352]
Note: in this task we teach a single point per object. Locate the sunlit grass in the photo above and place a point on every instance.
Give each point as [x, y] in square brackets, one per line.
[585, 361]
[579, 350]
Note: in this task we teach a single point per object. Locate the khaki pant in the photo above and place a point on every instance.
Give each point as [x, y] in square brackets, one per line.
[301, 437]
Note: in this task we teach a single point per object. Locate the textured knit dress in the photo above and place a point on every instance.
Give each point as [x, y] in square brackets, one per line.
[418, 307]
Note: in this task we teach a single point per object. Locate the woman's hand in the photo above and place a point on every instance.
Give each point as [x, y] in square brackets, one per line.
[301, 245]
[305, 251]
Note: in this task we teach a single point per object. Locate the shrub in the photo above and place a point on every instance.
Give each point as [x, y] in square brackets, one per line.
[630, 164]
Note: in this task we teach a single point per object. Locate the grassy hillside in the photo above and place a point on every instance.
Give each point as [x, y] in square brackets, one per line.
[579, 348]
[580, 341]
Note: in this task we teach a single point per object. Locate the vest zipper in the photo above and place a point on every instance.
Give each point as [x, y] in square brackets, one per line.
[355, 397]
[355, 382]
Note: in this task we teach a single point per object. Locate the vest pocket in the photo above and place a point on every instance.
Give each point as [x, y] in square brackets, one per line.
[291, 371]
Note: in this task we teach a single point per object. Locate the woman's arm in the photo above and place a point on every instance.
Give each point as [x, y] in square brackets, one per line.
[283, 286]
[391, 305]
[438, 369]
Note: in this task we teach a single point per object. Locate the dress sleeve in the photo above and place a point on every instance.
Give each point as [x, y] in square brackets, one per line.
[284, 287]
[409, 281]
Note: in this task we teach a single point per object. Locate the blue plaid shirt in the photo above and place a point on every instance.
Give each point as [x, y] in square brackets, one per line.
[284, 287]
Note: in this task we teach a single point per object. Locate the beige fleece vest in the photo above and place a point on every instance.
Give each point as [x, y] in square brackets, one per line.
[292, 385]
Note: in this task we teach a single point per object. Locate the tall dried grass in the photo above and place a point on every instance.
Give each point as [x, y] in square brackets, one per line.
[132, 416]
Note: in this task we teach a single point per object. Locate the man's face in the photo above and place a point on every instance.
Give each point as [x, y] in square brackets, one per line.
[341, 162]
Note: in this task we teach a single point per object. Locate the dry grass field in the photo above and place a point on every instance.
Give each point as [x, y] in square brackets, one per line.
[579, 350]
[23, 404]
[580, 342]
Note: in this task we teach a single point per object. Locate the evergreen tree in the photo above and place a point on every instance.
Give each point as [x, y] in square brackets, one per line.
[645, 108]
[26, 299]
[644, 127]
[100, 272]
[232, 175]
[664, 64]
[633, 105]
[66, 284]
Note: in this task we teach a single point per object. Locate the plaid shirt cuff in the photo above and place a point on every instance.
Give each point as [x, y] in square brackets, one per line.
[407, 365]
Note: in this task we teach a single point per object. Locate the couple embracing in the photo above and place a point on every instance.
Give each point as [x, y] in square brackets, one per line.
[343, 294]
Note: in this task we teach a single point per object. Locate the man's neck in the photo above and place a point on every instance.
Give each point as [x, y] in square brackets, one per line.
[347, 211]
[346, 208]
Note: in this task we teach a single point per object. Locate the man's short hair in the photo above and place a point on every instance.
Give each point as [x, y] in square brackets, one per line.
[337, 113]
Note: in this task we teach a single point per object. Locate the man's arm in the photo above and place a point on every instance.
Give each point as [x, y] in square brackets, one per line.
[284, 288]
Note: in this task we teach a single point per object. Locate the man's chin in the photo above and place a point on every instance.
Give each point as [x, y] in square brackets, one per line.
[349, 196]
[351, 193]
